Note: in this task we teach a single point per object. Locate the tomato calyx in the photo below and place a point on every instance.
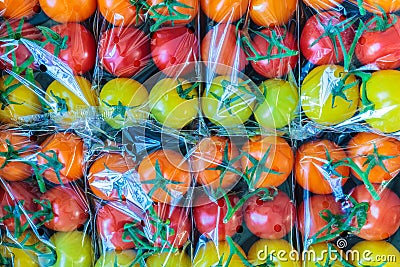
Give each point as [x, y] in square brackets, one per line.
[382, 22]
[173, 15]
[6, 262]
[140, 5]
[234, 251]
[61, 104]
[186, 93]
[60, 43]
[340, 87]
[119, 109]
[4, 96]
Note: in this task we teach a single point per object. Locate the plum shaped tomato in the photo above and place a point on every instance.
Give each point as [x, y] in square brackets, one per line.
[214, 253]
[62, 157]
[109, 175]
[15, 145]
[214, 163]
[174, 102]
[79, 51]
[122, 102]
[68, 11]
[69, 206]
[376, 156]
[268, 160]
[260, 253]
[329, 95]
[228, 103]
[169, 259]
[313, 166]
[122, 13]
[221, 50]
[165, 175]
[276, 52]
[376, 6]
[209, 217]
[113, 258]
[16, 9]
[174, 50]
[382, 217]
[323, 4]
[124, 51]
[269, 13]
[279, 104]
[270, 219]
[381, 253]
[224, 11]
[316, 40]
[172, 12]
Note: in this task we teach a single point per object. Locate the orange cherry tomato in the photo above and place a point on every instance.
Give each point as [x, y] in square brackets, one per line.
[169, 10]
[375, 6]
[224, 10]
[120, 12]
[323, 4]
[270, 13]
[68, 11]
[16, 9]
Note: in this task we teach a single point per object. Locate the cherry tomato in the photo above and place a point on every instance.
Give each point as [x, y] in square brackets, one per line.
[19, 145]
[379, 225]
[176, 12]
[221, 50]
[376, 6]
[174, 50]
[68, 11]
[323, 4]
[168, 168]
[284, 256]
[324, 256]
[365, 147]
[209, 217]
[16, 9]
[216, 254]
[168, 259]
[225, 11]
[80, 49]
[321, 51]
[273, 154]
[124, 51]
[66, 149]
[375, 253]
[73, 249]
[309, 217]
[122, 102]
[280, 104]
[120, 12]
[270, 45]
[329, 95]
[174, 102]
[119, 258]
[271, 219]
[269, 13]
[208, 155]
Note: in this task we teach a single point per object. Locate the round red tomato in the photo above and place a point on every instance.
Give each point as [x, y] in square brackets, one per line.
[120, 12]
[225, 11]
[270, 219]
[383, 216]
[209, 217]
[221, 50]
[321, 51]
[124, 51]
[80, 49]
[68, 11]
[287, 49]
[16, 9]
[70, 208]
[174, 50]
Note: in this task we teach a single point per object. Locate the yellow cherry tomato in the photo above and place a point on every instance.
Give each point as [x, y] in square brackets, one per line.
[113, 258]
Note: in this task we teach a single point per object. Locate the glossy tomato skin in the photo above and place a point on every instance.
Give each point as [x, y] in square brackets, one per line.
[168, 259]
[188, 8]
[323, 4]
[383, 216]
[122, 258]
[213, 253]
[209, 217]
[120, 13]
[69, 150]
[363, 144]
[323, 52]
[68, 11]
[271, 219]
[279, 159]
[124, 51]
[229, 56]
[80, 51]
[279, 67]
[269, 13]
[258, 253]
[70, 208]
[171, 47]
[16, 9]
[311, 158]
[225, 11]
[382, 251]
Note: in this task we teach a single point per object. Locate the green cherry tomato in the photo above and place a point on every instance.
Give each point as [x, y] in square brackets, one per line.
[173, 102]
[227, 103]
[122, 102]
[329, 95]
[167, 259]
[277, 108]
[73, 249]
[113, 258]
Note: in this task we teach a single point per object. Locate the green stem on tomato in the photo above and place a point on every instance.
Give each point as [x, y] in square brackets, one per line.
[172, 16]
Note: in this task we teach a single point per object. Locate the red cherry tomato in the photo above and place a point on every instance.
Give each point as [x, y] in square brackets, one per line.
[80, 50]
[124, 51]
[68, 11]
[270, 219]
[209, 217]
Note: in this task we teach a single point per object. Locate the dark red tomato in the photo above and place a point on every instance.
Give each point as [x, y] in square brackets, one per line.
[270, 219]
[173, 46]
[80, 50]
[70, 208]
[179, 227]
[322, 51]
[273, 68]
[380, 47]
[309, 218]
[21, 53]
[209, 216]
[221, 50]
[124, 51]
[13, 193]
[383, 216]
